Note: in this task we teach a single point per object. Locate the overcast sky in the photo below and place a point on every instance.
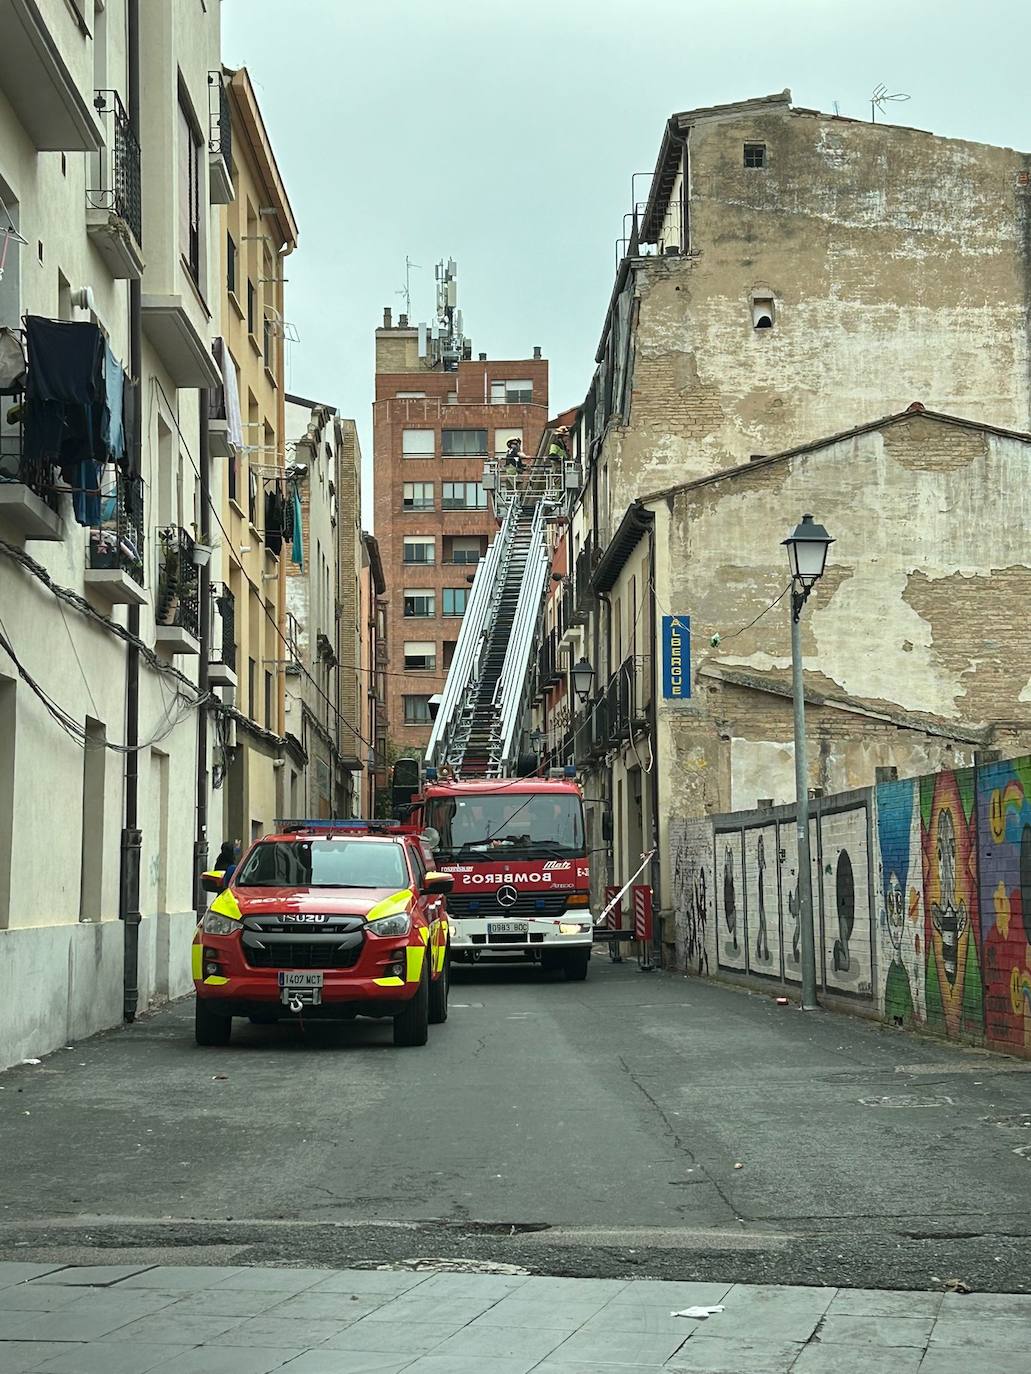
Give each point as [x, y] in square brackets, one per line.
[505, 135]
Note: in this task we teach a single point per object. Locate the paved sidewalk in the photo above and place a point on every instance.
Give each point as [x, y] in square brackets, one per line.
[125, 1319]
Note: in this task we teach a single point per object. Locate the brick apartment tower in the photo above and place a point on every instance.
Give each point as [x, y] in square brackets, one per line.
[436, 420]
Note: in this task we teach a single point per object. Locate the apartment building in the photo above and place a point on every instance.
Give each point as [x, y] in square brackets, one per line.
[109, 300]
[438, 416]
[257, 232]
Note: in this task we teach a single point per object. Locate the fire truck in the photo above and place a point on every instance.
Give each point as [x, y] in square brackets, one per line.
[513, 841]
[516, 850]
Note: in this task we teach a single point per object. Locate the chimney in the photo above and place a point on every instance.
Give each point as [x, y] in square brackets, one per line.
[402, 321]
[537, 352]
[483, 357]
[386, 317]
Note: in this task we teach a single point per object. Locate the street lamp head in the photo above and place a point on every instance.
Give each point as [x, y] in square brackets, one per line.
[536, 740]
[583, 675]
[807, 553]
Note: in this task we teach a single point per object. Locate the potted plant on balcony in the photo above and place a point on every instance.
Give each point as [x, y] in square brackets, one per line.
[168, 582]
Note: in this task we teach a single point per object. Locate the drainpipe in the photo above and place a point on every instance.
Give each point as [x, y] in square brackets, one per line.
[200, 847]
[653, 740]
[132, 836]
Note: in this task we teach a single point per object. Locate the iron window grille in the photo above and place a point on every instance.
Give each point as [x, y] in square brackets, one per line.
[223, 626]
[119, 166]
[220, 129]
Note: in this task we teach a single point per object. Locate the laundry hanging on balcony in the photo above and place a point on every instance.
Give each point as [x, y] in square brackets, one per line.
[74, 407]
[224, 401]
[12, 363]
[297, 551]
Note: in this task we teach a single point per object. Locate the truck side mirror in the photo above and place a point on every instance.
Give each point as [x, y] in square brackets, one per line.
[212, 881]
[438, 884]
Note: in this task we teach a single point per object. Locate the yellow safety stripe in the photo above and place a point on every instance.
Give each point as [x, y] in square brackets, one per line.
[225, 904]
[389, 906]
[197, 959]
[215, 981]
[389, 982]
[413, 962]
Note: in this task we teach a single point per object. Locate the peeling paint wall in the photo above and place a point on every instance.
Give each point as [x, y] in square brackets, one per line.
[920, 894]
[897, 264]
[913, 645]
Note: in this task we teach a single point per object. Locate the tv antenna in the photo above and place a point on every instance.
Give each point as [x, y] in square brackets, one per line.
[881, 97]
[406, 290]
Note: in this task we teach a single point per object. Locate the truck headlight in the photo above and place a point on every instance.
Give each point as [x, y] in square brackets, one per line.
[213, 924]
[571, 928]
[400, 924]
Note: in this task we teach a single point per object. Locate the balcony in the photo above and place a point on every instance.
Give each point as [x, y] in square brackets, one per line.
[222, 656]
[114, 213]
[220, 141]
[28, 501]
[586, 562]
[631, 697]
[114, 553]
[168, 323]
[44, 91]
[177, 608]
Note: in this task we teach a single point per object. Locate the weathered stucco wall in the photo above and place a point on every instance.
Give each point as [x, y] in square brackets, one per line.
[919, 895]
[898, 264]
[914, 648]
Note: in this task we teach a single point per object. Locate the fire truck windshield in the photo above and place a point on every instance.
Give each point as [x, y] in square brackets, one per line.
[529, 825]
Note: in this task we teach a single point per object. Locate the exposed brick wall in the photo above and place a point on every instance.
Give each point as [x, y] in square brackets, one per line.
[919, 888]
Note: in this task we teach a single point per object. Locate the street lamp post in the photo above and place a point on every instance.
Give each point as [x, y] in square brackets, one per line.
[537, 743]
[807, 555]
[583, 675]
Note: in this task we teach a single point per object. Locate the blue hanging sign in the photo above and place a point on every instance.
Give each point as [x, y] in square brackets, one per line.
[676, 657]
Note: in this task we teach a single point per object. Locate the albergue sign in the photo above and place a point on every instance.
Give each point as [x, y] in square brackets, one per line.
[676, 657]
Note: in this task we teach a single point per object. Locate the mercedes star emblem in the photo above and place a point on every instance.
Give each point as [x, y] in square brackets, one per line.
[507, 896]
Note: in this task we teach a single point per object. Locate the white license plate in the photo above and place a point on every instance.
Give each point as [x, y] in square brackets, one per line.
[507, 927]
[300, 980]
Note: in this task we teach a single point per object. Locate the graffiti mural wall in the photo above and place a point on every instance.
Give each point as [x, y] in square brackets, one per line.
[1004, 836]
[921, 896]
[900, 893]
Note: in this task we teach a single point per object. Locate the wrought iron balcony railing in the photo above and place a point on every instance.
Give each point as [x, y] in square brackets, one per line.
[120, 188]
[15, 466]
[220, 129]
[178, 600]
[116, 542]
[223, 626]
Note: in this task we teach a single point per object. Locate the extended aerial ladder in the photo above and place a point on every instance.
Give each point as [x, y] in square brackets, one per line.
[481, 717]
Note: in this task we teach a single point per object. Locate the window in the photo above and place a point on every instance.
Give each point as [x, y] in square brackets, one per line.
[230, 264]
[417, 496]
[420, 601]
[417, 443]
[464, 548]
[455, 600]
[323, 863]
[418, 550]
[409, 395]
[251, 307]
[189, 192]
[511, 393]
[252, 680]
[755, 154]
[450, 645]
[501, 438]
[464, 443]
[463, 496]
[762, 312]
[420, 654]
[268, 701]
[417, 710]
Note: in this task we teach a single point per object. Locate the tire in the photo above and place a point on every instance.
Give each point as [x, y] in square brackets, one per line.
[575, 966]
[439, 993]
[412, 1026]
[209, 1027]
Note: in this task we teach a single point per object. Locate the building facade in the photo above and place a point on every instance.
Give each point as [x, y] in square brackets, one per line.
[257, 232]
[434, 426]
[372, 594]
[108, 238]
[792, 279]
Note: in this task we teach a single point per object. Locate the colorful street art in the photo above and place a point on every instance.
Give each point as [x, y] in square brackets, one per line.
[935, 932]
[901, 916]
[948, 827]
[1004, 831]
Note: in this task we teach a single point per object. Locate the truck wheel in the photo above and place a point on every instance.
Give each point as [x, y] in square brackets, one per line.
[209, 1026]
[439, 992]
[412, 1026]
[575, 966]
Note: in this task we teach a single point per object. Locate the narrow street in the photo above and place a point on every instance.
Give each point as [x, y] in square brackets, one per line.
[632, 1126]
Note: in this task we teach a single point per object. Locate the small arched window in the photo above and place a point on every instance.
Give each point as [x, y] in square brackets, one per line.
[762, 312]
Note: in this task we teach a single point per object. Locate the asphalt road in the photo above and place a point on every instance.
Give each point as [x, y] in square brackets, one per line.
[636, 1124]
